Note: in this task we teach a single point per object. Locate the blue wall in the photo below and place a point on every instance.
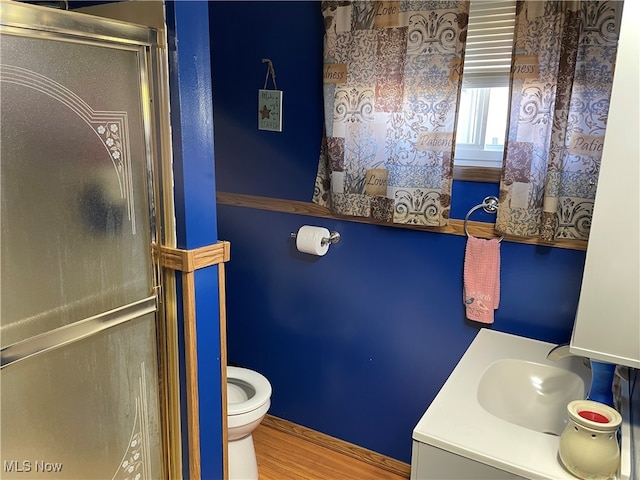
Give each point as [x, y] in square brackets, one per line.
[356, 343]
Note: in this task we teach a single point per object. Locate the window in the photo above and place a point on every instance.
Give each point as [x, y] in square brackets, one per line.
[484, 101]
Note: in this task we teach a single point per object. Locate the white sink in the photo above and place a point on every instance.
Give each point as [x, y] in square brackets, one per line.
[504, 407]
[529, 394]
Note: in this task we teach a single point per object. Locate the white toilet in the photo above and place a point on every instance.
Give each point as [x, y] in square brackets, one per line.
[248, 400]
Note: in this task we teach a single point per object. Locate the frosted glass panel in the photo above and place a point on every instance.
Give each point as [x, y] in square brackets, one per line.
[75, 235]
[79, 380]
[97, 418]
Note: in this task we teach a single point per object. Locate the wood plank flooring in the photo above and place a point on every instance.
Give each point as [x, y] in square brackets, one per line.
[286, 451]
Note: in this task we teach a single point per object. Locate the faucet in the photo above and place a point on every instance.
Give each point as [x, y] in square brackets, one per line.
[559, 352]
[601, 374]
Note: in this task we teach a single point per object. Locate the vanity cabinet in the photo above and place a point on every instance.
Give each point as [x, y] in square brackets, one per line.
[607, 325]
[432, 463]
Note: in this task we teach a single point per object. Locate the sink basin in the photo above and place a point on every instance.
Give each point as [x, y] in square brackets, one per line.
[529, 394]
[501, 411]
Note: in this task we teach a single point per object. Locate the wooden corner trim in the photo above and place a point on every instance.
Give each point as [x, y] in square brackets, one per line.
[191, 374]
[195, 259]
[187, 262]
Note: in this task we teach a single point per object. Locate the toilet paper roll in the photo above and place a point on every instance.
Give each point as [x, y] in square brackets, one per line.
[309, 240]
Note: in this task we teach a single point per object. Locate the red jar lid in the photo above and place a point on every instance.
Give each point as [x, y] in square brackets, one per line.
[593, 416]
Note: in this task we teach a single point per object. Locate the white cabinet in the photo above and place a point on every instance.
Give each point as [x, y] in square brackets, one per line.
[607, 325]
[432, 463]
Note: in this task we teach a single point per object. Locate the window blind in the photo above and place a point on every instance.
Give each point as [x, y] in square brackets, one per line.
[489, 42]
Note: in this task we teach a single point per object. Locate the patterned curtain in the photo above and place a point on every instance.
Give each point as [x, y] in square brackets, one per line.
[562, 72]
[392, 78]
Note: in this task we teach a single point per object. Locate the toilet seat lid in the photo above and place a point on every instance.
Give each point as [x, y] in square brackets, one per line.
[241, 382]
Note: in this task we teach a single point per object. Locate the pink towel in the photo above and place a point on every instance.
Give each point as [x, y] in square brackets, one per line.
[481, 293]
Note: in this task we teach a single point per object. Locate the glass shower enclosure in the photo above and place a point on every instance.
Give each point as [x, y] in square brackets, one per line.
[79, 376]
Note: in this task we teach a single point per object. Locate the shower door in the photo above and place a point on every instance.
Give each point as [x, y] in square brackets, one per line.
[79, 378]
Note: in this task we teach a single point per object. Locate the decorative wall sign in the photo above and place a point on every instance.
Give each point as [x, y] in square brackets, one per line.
[270, 102]
[270, 110]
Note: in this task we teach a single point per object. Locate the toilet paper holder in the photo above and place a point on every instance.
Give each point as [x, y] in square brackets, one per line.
[334, 237]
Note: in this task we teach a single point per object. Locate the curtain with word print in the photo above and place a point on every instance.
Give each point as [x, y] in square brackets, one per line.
[392, 79]
[562, 72]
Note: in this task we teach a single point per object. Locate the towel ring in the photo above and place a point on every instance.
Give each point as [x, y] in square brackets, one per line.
[489, 205]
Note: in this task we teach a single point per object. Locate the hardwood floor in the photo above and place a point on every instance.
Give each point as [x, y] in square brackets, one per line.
[286, 451]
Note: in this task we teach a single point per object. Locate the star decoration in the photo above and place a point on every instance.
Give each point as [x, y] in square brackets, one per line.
[265, 112]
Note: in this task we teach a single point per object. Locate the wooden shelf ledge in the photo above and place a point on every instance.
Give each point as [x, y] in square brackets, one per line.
[455, 227]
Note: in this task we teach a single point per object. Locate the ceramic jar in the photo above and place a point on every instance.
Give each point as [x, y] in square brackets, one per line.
[589, 444]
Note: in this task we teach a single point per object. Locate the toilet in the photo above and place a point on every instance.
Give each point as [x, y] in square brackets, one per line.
[248, 400]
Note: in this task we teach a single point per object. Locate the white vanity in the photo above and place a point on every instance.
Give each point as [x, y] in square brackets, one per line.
[500, 414]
